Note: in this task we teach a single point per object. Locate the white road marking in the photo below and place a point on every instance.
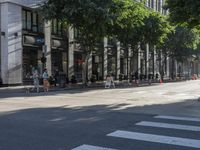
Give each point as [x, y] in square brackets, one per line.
[169, 126]
[156, 138]
[178, 118]
[90, 147]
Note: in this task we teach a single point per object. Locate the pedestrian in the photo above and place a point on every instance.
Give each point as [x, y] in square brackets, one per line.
[36, 80]
[45, 77]
[112, 82]
[136, 78]
[108, 81]
[157, 76]
[149, 78]
[56, 77]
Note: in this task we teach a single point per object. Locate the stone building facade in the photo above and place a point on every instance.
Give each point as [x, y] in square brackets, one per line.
[26, 38]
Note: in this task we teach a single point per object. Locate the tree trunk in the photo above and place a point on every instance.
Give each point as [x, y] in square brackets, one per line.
[85, 70]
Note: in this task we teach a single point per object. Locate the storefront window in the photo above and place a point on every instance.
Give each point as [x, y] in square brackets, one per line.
[30, 60]
[57, 60]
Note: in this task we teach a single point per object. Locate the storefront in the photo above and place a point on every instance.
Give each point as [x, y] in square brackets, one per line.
[32, 54]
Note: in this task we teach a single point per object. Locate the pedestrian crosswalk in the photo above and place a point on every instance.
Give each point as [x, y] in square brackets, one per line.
[179, 118]
[168, 126]
[91, 147]
[181, 125]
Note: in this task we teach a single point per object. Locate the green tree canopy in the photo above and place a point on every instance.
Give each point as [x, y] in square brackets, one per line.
[129, 16]
[155, 28]
[181, 43]
[184, 11]
[90, 17]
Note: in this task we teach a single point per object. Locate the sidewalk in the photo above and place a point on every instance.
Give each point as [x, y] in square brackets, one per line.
[118, 84]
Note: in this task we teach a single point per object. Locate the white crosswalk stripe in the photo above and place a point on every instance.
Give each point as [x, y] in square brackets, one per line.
[178, 118]
[168, 126]
[91, 147]
[156, 138]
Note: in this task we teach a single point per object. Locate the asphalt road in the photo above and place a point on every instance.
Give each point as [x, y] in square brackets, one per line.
[161, 117]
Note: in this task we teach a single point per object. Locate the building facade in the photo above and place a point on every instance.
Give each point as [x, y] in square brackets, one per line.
[27, 42]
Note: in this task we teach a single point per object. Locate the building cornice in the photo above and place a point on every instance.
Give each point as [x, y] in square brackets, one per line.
[25, 3]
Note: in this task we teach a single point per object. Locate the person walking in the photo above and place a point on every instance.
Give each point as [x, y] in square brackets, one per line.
[45, 77]
[36, 80]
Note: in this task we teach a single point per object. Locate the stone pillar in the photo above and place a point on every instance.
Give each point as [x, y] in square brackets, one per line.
[64, 63]
[71, 52]
[105, 58]
[125, 67]
[161, 6]
[47, 48]
[176, 67]
[90, 67]
[118, 59]
[11, 43]
[129, 63]
[155, 67]
[139, 60]
[147, 60]
[168, 67]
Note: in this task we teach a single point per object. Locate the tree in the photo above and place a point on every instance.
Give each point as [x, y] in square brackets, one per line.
[90, 17]
[155, 28]
[180, 44]
[129, 16]
[184, 11]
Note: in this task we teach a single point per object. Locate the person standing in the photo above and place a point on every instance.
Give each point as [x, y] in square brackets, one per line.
[108, 81]
[56, 77]
[112, 81]
[45, 77]
[36, 80]
[136, 78]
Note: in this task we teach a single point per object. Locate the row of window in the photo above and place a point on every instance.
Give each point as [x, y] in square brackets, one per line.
[33, 22]
[157, 5]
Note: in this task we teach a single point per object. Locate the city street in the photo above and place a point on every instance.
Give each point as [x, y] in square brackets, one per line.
[158, 117]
